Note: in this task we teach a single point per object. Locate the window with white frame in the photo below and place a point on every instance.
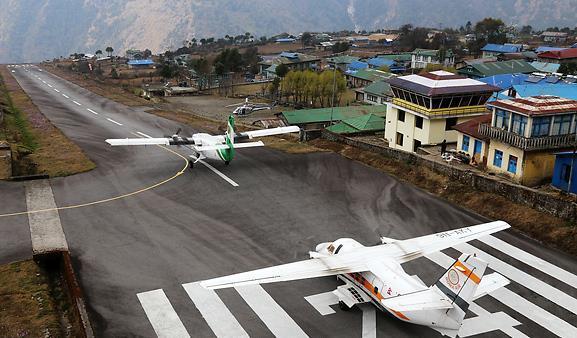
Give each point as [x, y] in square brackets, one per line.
[519, 124]
[561, 124]
[541, 126]
[502, 119]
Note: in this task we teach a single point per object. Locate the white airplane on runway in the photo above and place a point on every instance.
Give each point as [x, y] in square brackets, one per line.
[374, 275]
[205, 146]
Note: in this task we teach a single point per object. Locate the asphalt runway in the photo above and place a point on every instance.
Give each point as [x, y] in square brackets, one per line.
[139, 256]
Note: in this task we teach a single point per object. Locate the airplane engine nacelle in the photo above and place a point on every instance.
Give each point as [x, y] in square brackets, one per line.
[339, 246]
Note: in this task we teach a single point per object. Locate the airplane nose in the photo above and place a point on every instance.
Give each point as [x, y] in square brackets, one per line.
[322, 247]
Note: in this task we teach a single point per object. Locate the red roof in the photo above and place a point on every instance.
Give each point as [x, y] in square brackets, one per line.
[537, 105]
[471, 127]
[569, 53]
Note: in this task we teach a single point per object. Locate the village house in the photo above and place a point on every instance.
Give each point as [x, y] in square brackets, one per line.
[492, 49]
[471, 142]
[525, 134]
[377, 93]
[294, 61]
[420, 58]
[425, 108]
[568, 55]
[481, 70]
[365, 77]
[554, 37]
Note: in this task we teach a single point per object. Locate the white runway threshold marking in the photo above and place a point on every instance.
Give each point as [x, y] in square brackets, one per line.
[161, 314]
[531, 311]
[111, 120]
[273, 316]
[92, 111]
[213, 310]
[76, 103]
[531, 260]
[66, 96]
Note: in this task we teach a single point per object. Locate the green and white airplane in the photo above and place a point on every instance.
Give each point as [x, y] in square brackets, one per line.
[206, 146]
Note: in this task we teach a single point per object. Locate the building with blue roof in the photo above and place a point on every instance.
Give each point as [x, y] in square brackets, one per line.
[356, 65]
[147, 63]
[542, 49]
[567, 91]
[492, 49]
[565, 171]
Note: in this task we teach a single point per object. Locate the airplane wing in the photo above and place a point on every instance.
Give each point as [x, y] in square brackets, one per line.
[165, 141]
[310, 268]
[138, 141]
[358, 260]
[268, 132]
[225, 146]
[410, 249]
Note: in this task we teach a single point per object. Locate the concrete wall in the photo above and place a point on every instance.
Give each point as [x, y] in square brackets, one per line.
[538, 168]
[5, 162]
[516, 193]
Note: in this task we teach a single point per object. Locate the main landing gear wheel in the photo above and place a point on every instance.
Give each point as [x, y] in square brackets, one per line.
[191, 164]
[226, 162]
[343, 306]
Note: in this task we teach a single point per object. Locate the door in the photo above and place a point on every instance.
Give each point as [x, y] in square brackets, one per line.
[478, 147]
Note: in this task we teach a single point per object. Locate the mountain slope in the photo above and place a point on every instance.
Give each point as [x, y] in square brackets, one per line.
[32, 30]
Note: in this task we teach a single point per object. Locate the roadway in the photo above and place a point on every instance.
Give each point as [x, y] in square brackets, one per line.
[138, 256]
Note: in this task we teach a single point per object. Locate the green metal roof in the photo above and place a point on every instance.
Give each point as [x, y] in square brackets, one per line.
[324, 114]
[432, 52]
[364, 123]
[379, 88]
[343, 59]
[371, 74]
[397, 57]
[496, 68]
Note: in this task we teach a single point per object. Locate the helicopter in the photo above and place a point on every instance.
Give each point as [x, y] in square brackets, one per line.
[246, 107]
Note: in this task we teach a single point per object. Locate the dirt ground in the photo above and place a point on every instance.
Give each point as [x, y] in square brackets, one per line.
[36, 152]
[550, 230]
[29, 304]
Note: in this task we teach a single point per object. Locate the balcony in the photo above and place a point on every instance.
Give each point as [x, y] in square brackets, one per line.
[527, 144]
[440, 113]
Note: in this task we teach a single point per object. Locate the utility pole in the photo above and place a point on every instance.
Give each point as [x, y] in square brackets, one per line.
[333, 98]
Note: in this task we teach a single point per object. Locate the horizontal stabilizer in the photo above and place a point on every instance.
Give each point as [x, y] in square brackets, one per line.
[270, 132]
[490, 283]
[418, 301]
[138, 141]
[248, 145]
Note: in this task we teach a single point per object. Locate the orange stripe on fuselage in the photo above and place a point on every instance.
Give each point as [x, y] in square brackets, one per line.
[369, 287]
[467, 272]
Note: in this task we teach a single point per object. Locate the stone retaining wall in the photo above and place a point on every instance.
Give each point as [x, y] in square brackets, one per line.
[519, 194]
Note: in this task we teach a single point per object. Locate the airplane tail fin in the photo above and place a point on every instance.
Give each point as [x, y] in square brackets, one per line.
[228, 154]
[459, 284]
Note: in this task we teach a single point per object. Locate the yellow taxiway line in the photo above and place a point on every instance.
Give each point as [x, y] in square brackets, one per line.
[111, 198]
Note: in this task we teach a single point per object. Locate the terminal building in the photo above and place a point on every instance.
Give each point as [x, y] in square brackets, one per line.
[425, 108]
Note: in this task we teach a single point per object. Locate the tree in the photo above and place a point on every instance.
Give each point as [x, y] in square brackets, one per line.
[114, 74]
[568, 68]
[526, 30]
[468, 27]
[385, 68]
[167, 71]
[250, 59]
[109, 50]
[147, 53]
[229, 60]
[281, 70]
[306, 39]
[340, 47]
[492, 30]
[98, 53]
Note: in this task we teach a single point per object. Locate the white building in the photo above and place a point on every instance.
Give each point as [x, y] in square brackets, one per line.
[425, 108]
